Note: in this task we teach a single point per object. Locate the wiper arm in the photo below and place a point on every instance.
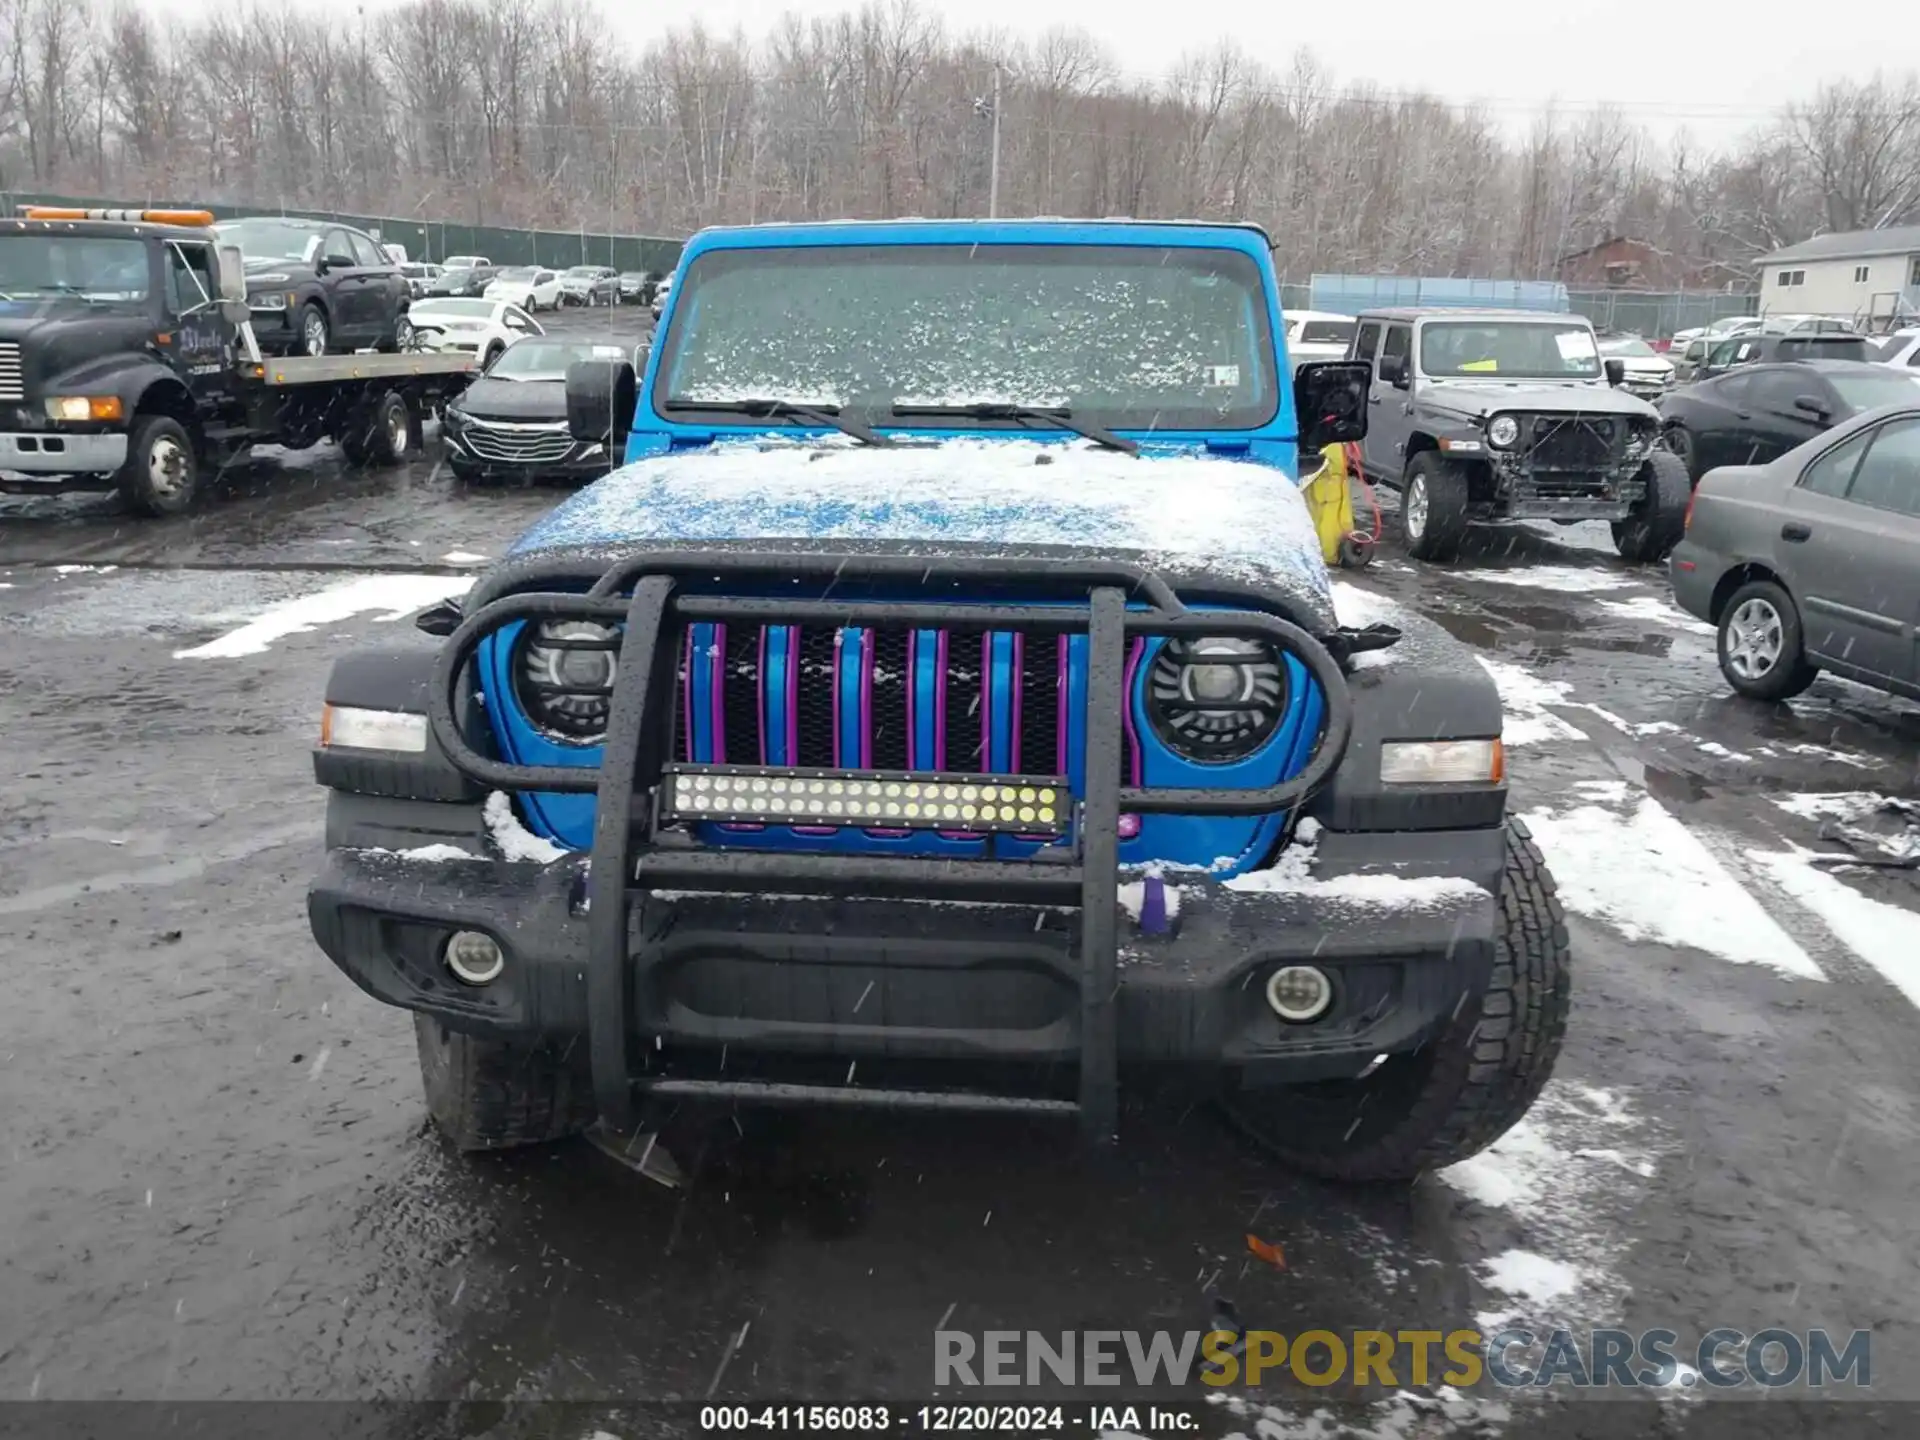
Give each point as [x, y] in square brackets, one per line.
[1058, 416]
[828, 416]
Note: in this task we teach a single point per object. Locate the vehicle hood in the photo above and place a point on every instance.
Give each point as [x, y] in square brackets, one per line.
[1480, 398]
[20, 319]
[515, 399]
[1180, 510]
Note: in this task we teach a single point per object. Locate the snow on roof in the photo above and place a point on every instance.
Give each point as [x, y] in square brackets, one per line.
[1850, 244]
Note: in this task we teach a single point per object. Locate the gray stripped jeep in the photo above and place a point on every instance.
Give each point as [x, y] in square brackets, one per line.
[1485, 416]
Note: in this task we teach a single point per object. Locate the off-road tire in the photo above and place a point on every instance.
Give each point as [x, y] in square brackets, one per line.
[488, 1095]
[1438, 491]
[311, 314]
[1791, 672]
[1659, 521]
[159, 440]
[1455, 1096]
[378, 433]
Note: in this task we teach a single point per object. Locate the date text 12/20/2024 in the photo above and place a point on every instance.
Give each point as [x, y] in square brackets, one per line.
[952, 1419]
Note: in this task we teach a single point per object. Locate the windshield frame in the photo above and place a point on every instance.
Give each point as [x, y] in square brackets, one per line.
[788, 262]
[1483, 322]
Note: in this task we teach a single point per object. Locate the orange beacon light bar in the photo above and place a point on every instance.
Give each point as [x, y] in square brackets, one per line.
[198, 219]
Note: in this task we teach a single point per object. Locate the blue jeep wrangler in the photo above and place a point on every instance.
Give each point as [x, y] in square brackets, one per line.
[945, 707]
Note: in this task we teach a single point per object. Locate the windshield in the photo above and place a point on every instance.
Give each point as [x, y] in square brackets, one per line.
[453, 309]
[99, 268]
[549, 359]
[516, 272]
[1126, 336]
[1325, 332]
[1527, 349]
[1862, 391]
[269, 239]
[1628, 345]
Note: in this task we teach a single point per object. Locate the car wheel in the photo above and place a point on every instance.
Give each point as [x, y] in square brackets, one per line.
[315, 337]
[1678, 441]
[162, 471]
[1760, 643]
[1433, 507]
[489, 1095]
[1449, 1099]
[1659, 521]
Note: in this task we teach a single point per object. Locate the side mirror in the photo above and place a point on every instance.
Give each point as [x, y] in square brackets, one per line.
[233, 274]
[1812, 404]
[234, 312]
[601, 395]
[1616, 369]
[1393, 370]
[335, 262]
[640, 354]
[1330, 402]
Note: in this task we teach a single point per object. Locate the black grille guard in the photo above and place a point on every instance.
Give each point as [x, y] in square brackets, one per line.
[644, 593]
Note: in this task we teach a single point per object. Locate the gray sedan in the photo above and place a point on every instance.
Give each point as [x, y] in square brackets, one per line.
[1811, 562]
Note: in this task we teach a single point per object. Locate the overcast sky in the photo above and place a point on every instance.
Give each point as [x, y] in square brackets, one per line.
[1716, 69]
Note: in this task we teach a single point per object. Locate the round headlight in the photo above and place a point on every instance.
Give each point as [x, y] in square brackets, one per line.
[1215, 699]
[1503, 430]
[565, 678]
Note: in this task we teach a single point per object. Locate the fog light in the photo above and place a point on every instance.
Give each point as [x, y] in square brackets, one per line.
[474, 959]
[1299, 993]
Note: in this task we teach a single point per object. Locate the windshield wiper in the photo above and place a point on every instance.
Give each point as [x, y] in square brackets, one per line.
[828, 416]
[1058, 416]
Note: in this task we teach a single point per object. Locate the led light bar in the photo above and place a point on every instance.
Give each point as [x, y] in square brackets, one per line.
[899, 800]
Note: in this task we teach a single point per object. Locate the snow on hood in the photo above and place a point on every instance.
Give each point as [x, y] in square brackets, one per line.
[1234, 518]
[1471, 396]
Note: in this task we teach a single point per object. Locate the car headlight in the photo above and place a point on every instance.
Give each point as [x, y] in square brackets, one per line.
[565, 676]
[1215, 699]
[268, 279]
[1442, 762]
[1502, 431]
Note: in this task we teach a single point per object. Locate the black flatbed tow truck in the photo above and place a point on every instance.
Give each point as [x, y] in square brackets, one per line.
[127, 363]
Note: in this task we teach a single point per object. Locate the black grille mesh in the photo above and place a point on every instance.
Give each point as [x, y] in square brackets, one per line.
[891, 740]
[815, 698]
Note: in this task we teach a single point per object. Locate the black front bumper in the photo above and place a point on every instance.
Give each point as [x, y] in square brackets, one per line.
[662, 953]
[855, 979]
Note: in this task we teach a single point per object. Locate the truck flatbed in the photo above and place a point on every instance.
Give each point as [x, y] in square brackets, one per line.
[332, 369]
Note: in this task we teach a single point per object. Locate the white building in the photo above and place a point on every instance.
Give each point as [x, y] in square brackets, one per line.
[1869, 275]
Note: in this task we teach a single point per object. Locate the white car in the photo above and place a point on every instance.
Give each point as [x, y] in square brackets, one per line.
[1901, 350]
[531, 287]
[481, 328]
[1318, 335]
[660, 296]
[1721, 329]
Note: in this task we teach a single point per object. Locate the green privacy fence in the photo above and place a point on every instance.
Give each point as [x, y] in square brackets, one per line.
[429, 239]
[1655, 314]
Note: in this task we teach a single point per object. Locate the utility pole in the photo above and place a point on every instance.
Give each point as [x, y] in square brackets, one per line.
[993, 172]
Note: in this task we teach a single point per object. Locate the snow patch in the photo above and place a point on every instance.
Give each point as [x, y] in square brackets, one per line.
[1530, 1277]
[1570, 1200]
[1825, 752]
[1525, 697]
[1652, 608]
[1293, 874]
[427, 853]
[463, 557]
[1840, 805]
[1359, 607]
[1649, 877]
[1566, 579]
[1884, 936]
[84, 569]
[516, 842]
[394, 596]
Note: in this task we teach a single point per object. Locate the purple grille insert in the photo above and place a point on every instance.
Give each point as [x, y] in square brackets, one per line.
[717, 687]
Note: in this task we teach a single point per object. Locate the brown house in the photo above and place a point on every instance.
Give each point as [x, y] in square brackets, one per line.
[1623, 263]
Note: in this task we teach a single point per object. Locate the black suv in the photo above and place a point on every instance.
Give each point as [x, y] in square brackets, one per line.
[315, 287]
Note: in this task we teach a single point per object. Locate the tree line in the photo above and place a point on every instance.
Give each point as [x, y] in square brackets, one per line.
[520, 112]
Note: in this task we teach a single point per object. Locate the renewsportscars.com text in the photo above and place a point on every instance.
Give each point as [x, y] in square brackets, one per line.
[1511, 1358]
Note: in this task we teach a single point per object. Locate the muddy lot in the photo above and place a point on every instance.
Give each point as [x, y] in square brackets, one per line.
[218, 1182]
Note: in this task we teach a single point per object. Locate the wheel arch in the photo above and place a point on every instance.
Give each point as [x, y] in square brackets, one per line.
[1744, 573]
